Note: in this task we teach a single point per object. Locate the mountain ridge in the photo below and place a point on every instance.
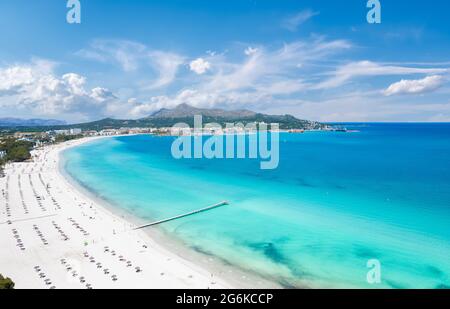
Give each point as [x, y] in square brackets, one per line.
[34, 122]
[185, 113]
[186, 110]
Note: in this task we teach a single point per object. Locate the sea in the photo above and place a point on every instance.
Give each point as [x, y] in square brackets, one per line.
[368, 208]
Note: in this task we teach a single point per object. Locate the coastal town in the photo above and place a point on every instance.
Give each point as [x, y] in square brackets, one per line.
[18, 137]
[15, 145]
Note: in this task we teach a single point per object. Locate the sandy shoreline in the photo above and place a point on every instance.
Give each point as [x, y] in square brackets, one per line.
[77, 240]
[234, 277]
[53, 236]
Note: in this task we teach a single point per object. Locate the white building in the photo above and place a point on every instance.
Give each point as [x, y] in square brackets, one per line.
[75, 131]
[68, 132]
[62, 132]
[109, 132]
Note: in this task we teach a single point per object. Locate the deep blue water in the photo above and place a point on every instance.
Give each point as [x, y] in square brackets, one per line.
[336, 201]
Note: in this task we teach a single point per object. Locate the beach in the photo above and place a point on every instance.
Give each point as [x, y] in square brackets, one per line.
[315, 221]
[68, 216]
[54, 236]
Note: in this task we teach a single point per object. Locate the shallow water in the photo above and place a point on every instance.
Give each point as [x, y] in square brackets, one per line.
[336, 201]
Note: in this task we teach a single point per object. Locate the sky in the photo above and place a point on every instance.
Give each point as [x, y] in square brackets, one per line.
[318, 60]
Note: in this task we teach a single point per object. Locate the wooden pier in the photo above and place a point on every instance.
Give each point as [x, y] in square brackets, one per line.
[224, 203]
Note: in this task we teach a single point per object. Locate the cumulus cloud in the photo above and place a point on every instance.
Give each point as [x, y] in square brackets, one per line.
[100, 94]
[256, 79]
[14, 78]
[199, 66]
[37, 88]
[271, 79]
[267, 78]
[417, 86]
[254, 82]
[293, 22]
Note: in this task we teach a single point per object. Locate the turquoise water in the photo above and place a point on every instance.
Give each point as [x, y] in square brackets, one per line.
[336, 201]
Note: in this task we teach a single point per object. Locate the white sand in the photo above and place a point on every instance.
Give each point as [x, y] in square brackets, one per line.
[29, 190]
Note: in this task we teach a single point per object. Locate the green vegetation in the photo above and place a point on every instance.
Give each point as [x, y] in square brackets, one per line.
[64, 138]
[285, 121]
[15, 150]
[2, 164]
[6, 283]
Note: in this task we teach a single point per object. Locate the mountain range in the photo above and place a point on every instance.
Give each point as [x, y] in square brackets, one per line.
[184, 113]
[16, 122]
[185, 110]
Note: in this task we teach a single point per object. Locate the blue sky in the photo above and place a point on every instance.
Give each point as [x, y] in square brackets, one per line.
[318, 60]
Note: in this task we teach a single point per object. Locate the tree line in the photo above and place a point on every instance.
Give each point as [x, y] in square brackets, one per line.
[14, 150]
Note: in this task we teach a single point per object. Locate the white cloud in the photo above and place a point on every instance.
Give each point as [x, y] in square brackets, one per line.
[196, 98]
[139, 109]
[199, 66]
[363, 107]
[292, 23]
[132, 56]
[100, 94]
[14, 77]
[166, 64]
[417, 86]
[126, 54]
[36, 88]
[75, 83]
[302, 77]
[272, 79]
[348, 71]
[250, 51]
[264, 68]
[254, 83]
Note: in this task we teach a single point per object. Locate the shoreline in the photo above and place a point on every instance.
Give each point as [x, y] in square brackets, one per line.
[56, 237]
[232, 275]
[58, 234]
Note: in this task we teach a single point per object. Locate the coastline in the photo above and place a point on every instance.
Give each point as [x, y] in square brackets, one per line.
[233, 276]
[59, 234]
[57, 237]
[388, 239]
[31, 186]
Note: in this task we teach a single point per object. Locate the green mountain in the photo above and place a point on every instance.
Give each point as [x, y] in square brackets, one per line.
[185, 113]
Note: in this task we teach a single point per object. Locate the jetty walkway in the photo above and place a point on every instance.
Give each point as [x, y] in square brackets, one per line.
[224, 203]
